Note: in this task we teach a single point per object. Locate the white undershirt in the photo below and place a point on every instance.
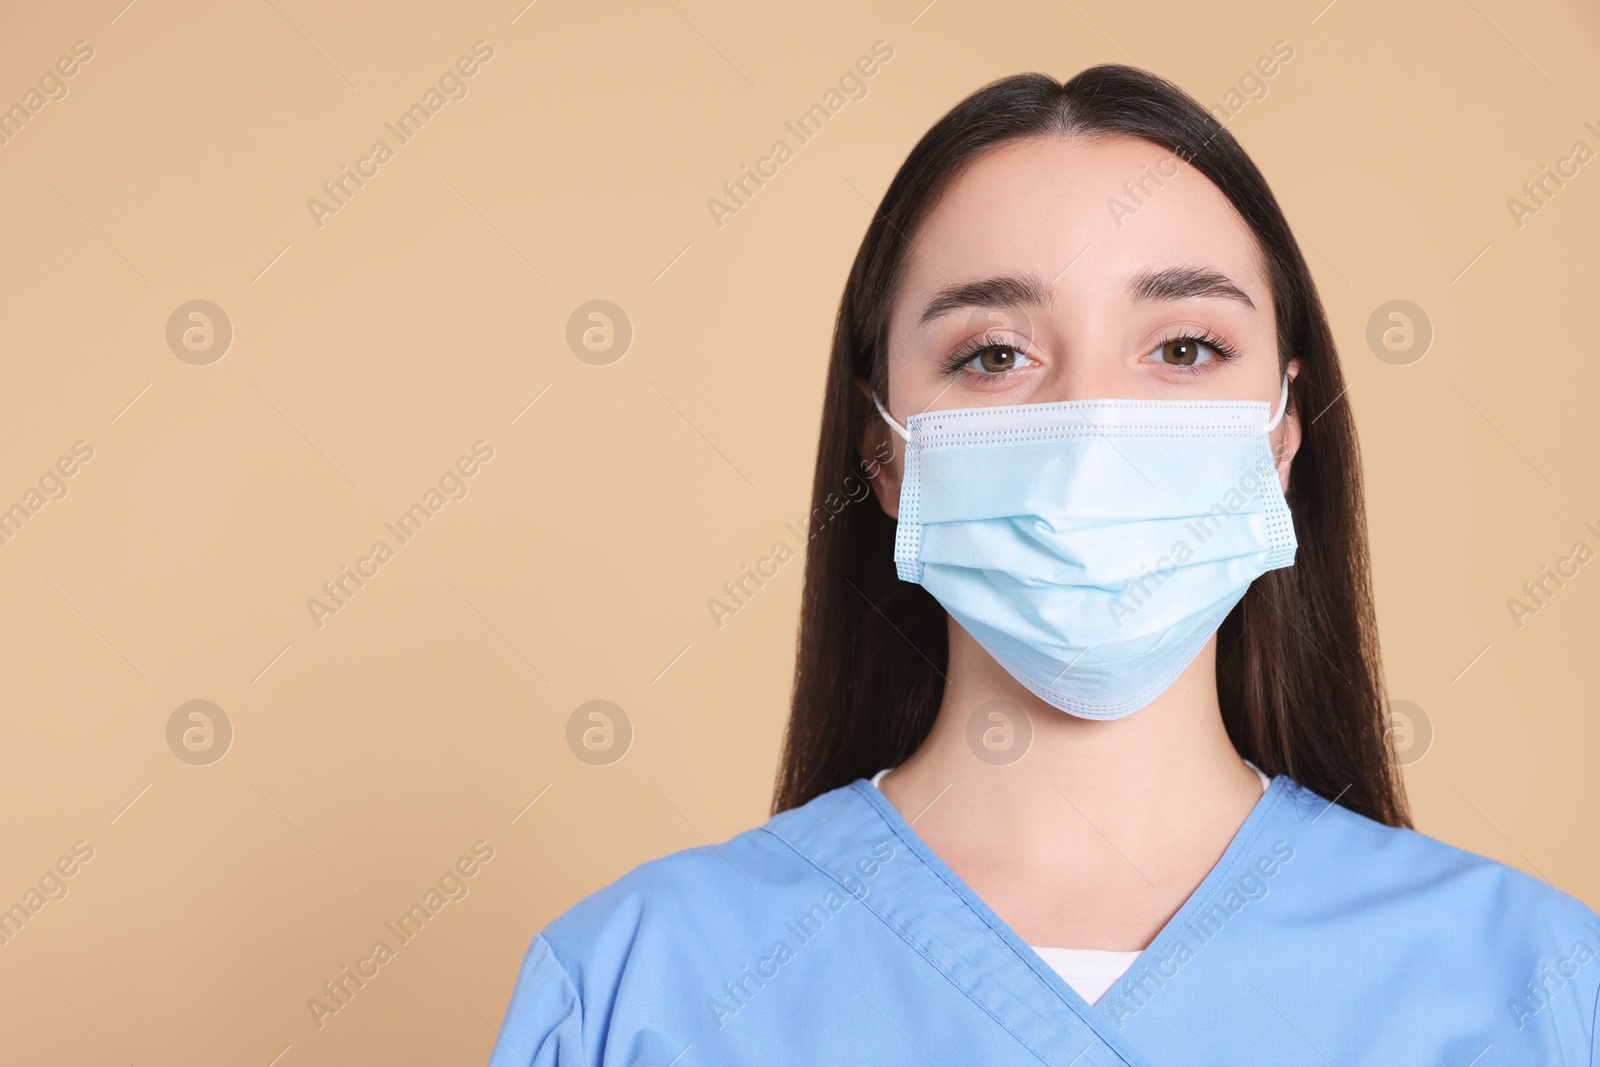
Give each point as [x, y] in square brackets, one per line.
[1090, 971]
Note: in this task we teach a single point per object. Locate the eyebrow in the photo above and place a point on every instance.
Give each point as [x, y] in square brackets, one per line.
[998, 291]
[1182, 283]
[1031, 290]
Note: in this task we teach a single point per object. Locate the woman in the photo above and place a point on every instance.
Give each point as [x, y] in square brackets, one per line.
[1087, 759]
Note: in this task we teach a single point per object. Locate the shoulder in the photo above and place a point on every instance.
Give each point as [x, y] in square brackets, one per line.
[1429, 912]
[1400, 862]
[627, 948]
[686, 905]
[682, 895]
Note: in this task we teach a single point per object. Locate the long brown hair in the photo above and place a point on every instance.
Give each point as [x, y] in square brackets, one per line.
[1298, 673]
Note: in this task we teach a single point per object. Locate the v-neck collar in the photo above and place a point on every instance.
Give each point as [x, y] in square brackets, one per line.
[939, 916]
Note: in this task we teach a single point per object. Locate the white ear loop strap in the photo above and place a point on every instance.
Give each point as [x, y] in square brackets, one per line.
[1283, 405]
[901, 430]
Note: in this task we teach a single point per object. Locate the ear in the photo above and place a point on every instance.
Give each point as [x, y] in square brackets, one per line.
[1288, 435]
[880, 456]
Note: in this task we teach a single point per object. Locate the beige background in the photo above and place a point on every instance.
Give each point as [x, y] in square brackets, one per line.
[372, 352]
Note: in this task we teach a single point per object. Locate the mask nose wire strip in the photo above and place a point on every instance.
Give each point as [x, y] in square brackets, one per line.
[1283, 405]
[901, 430]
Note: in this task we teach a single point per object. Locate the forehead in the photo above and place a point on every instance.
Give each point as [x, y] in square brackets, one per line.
[1109, 208]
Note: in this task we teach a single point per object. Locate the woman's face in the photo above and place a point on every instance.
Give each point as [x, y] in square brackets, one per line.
[1068, 269]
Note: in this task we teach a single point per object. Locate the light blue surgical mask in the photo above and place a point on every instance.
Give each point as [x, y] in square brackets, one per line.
[1092, 547]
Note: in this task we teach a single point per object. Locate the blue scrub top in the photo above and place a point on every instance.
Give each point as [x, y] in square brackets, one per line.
[833, 935]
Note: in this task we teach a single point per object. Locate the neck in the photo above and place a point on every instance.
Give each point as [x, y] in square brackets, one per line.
[1161, 791]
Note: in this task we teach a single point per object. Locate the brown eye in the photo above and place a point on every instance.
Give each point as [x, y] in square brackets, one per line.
[993, 360]
[1181, 353]
[1190, 352]
[997, 360]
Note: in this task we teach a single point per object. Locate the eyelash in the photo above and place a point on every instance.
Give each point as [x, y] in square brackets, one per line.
[1225, 352]
[976, 347]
